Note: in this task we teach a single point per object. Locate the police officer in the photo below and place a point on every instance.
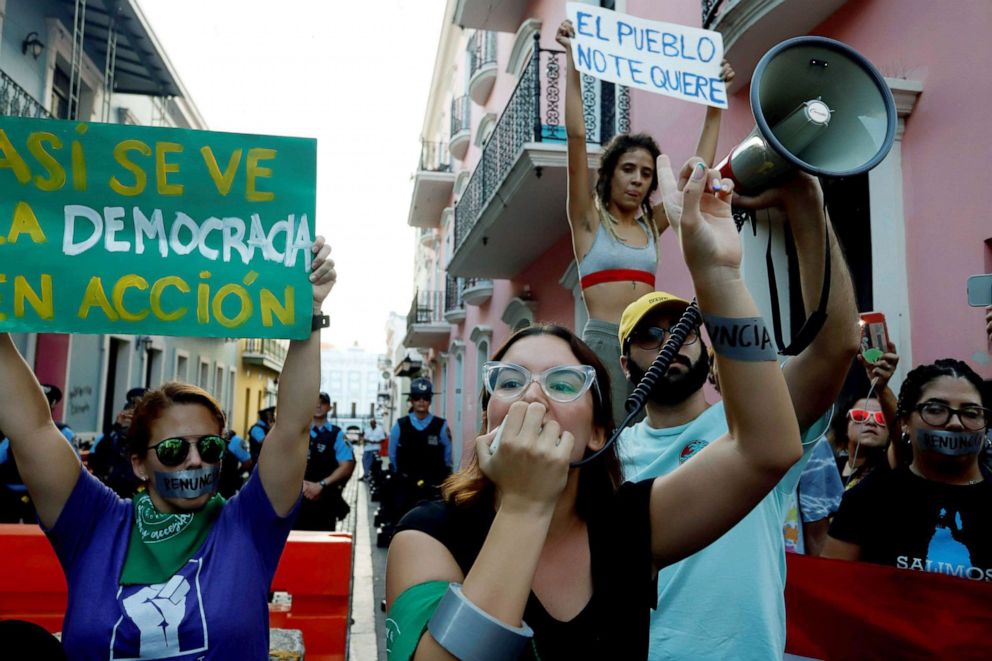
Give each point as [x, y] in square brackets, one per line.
[54, 396]
[419, 449]
[259, 430]
[109, 457]
[330, 463]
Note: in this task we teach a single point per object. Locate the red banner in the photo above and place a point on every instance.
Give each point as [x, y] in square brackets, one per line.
[853, 610]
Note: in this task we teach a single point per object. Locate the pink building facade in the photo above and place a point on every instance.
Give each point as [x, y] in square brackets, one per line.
[489, 195]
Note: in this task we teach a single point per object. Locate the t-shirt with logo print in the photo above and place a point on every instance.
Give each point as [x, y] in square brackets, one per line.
[903, 520]
[210, 609]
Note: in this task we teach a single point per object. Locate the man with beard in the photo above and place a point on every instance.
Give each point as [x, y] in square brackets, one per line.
[726, 601]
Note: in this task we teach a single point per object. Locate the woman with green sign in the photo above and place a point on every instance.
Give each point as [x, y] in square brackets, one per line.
[154, 577]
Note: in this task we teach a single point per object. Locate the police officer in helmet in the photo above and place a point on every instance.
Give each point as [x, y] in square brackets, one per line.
[419, 449]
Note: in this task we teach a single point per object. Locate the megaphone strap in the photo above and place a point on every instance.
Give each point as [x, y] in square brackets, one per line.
[817, 318]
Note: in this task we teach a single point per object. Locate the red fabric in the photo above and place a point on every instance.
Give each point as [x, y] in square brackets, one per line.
[853, 610]
[617, 275]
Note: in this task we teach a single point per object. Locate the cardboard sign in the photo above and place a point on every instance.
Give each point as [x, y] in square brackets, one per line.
[664, 58]
[112, 228]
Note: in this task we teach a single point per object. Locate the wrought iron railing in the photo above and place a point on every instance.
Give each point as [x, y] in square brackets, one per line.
[274, 350]
[529, 117]
[460, 107]
[481, 51]
[453, 293]
[16, 102]
[427, 307]
[434, 157]
[709, 8]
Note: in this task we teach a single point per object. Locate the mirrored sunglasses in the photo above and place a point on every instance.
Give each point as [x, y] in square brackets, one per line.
[173, 451]
[565, 383]
[862, 416]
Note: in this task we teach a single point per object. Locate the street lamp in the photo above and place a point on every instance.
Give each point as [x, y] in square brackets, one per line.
[32, 44]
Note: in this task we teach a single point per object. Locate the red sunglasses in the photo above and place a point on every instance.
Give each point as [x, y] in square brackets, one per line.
[862, 416]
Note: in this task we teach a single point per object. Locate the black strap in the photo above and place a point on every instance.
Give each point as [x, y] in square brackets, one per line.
[815, 321]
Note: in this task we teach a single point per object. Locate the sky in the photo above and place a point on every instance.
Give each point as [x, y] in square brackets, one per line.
[355, 79]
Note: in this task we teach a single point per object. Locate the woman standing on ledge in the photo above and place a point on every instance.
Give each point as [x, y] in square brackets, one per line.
[615, 228]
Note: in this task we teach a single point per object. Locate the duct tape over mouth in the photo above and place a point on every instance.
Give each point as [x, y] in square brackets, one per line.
[188, 484]
[952, 443]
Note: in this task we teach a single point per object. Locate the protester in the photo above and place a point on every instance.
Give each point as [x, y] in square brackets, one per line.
[615, 228]
[745, 567]
[936, 514]
[110, 457]
[815, 500]
[419, 450]
[371, 447]
[568, 552]
[258, 431]
[330, 463]
[154, 578]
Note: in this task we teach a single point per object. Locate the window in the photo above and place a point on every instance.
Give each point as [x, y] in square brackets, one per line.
[60, 93]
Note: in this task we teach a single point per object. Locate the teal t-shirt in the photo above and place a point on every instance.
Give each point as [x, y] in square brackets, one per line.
[726, 601]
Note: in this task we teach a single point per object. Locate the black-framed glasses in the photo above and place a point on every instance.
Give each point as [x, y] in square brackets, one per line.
[652, 338]
[173, 451]
[565, 383]
[938, 414]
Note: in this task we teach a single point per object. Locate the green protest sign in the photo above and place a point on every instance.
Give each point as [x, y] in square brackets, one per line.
[111, 228]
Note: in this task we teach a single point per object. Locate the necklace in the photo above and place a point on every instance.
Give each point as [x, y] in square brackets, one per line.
[915, 471]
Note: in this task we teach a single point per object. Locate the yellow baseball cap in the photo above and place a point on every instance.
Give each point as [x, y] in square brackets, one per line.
[636, 310]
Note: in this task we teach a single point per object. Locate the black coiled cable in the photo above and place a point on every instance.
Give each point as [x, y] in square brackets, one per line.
[690, 319]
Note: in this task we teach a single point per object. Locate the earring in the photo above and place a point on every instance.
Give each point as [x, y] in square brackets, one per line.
[905, 438]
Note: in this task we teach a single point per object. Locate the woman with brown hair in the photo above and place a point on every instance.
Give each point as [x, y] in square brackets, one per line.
[530, 556]
[154, 577]
[615, 227]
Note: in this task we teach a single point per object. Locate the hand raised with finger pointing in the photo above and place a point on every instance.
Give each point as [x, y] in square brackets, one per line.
[701, 216]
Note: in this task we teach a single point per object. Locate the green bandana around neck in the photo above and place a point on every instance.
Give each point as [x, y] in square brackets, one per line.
[161, 543]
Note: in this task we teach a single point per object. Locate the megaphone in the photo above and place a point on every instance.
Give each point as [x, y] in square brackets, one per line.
[818, 106]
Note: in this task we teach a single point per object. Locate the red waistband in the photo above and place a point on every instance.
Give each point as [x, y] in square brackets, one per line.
[617, 275]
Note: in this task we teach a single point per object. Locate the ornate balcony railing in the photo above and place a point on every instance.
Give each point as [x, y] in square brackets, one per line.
[427, 307]
[453, 293]
[709, 8]
[481, 51]
[460, 116]
[16, 102]
[529, 117]
[434, 157]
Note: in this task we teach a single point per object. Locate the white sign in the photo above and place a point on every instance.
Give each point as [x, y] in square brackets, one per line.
[664, 58]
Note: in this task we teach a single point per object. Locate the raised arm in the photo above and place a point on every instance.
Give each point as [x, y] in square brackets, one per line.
[47, 463]
[696, 504]
[708, 137]
[283, 458]
[879, 374]
[581, 214]
[816, 375]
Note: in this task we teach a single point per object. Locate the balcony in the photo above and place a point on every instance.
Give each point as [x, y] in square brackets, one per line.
[477, 291]
[432, 185]
[16, 102]
[513, 208]
[270, 354]
[481, 66]
[751, 27]
[460, 126]
[454, 305]
[425, 324]
[503, 16]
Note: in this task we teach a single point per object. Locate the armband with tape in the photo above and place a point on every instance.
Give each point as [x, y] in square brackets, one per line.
[744, 338]
[468, 632]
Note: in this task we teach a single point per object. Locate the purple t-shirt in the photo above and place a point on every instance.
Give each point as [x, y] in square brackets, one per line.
[212, 608]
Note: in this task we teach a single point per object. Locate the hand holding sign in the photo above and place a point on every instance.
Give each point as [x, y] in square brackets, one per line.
[322, 273]
[664, 58]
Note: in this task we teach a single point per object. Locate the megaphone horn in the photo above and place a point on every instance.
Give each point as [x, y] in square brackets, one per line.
[819, 106]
